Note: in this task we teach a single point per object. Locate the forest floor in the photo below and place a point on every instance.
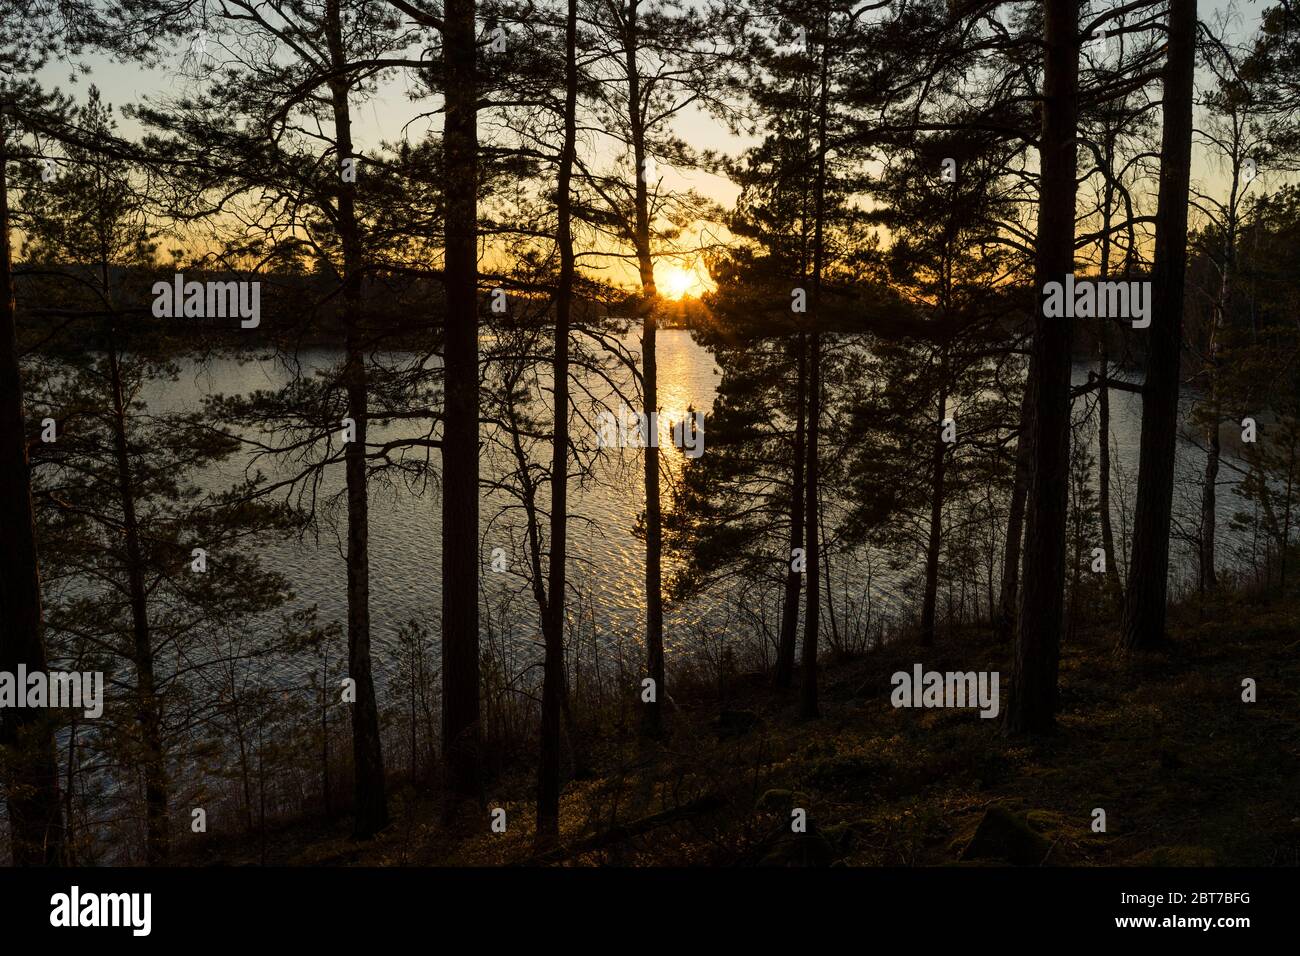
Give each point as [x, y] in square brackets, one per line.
[1185, 770]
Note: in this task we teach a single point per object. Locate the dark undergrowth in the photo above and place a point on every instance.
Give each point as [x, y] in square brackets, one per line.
[1186, 772]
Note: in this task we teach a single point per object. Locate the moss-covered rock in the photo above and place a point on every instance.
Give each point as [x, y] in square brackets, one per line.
[1003, 835]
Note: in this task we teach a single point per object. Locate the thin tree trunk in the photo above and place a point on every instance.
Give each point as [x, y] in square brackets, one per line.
[325, 741]
[990, 562]
[1038, 636]
[1144, 612]
[938, 467]
[371, 809]
[1103, 477]
[1214, 450]
[1076, 568]
[371, 805]
[825, 562]
[1009, 592]
[148, 711]
[70, 790]
[808, 706]
[794, 579]
[1113, 585]
[553, 689]
[652, 723]
[35, 816]
[413, 717]
[1209, 500]
[1286, 520]
[241, 742]
[460, 570]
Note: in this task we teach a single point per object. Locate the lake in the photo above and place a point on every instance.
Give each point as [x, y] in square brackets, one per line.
[607, 558]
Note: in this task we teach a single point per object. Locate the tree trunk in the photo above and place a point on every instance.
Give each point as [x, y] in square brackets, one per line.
[1214, 450]
[371, 805]
[1209, 502]
[1144, 612]
[1038, 636]
[1287, 502]
[825, 562]
[460, 654]
[325, 739]
[793, 578]
[413, 724]
[35, 817]
[1103, 476]
[553, 689]
[148, 710]
[1076, 566]
[652, 723]
[938, 463]
[70, 790]
[1009, 592]
[1113, 586]
[808, 706]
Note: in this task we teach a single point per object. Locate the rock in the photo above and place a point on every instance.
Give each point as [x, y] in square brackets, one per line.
[1003, 835]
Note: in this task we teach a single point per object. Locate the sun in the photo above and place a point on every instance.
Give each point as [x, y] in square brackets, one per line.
[674, 282]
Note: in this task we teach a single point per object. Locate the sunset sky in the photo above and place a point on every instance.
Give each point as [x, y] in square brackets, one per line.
[389, 114]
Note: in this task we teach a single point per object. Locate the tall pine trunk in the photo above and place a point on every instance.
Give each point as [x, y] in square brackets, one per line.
[794, 579]
[553, 689]
[1144, 611]
[371, 806]
[652, 723]
[147, 706]
[1103, 396]
[32, 784]
[808, 706]
[1038, 636]
[460, 570]
[1214, 447]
